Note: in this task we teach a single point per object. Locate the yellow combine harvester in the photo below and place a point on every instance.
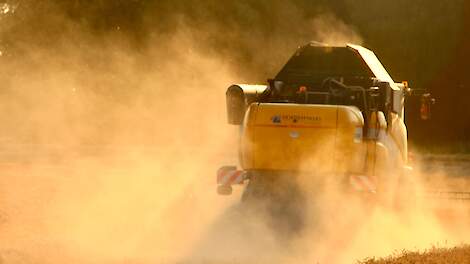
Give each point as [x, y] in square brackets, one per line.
[331, 113]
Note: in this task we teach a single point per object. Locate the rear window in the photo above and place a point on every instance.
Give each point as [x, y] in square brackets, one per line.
[314, 64]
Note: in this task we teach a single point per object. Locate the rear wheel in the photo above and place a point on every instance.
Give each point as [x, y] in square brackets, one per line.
[278, 198]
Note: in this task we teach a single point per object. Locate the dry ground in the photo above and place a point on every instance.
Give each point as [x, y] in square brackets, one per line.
[143, 207]
[456, 255]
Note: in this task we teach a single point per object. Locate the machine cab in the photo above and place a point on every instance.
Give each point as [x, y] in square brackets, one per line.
[346, 75]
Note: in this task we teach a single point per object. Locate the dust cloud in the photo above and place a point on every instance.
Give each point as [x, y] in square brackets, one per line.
[109, 153]
[122, 170]
[341, 35]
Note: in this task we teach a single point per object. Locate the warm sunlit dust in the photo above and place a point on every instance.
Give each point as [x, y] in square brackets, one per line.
[128, 175]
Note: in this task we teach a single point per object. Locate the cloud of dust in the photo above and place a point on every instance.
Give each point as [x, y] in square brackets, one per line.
[333, 31]
[345, 227]
[110, 154]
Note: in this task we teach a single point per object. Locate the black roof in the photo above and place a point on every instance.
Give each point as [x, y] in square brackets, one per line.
[315, 61]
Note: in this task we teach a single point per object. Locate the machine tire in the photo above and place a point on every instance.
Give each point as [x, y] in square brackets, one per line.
[278, 198]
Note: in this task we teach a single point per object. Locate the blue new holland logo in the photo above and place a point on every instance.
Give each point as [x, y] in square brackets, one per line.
[276, 119]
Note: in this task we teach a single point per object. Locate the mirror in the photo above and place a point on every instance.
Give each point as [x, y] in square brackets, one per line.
[425, 109]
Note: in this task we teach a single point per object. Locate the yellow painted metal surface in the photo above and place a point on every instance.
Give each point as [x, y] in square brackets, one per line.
[319, 138]
[323, 139]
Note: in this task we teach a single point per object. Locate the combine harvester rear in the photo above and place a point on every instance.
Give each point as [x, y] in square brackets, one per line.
[332, 114]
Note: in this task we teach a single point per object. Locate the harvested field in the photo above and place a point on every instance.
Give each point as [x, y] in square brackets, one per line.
[456, 255]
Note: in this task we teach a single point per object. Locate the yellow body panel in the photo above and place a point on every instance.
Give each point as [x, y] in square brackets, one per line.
[399, 134]
[320, 138]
